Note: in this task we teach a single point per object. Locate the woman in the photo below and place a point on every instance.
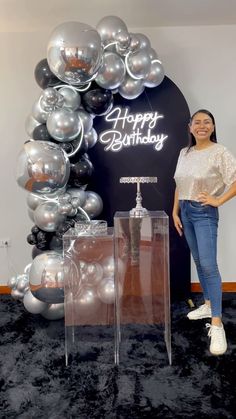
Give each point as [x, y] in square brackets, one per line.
[205, 179]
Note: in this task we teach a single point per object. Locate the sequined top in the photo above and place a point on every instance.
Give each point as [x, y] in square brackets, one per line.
[210, 170]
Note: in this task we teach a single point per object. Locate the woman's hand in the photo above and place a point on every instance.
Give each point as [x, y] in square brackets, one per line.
[207, 199]
[178, 224]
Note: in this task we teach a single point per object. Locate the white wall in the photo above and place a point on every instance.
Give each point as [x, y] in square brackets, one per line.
[201, 61]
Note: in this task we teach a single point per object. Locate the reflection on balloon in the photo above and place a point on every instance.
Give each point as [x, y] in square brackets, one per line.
[42, 167]
[54, 312]
[106, 290]
[109, 27]
[74, 52]
[47, 216]
[71, 97]
[130, 88]
[155, 76]
[46, 277]
[112, 71]
[32, 304]
[139, 63]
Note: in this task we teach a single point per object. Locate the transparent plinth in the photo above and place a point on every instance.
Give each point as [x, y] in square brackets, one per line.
[89, 293]
[142, 309]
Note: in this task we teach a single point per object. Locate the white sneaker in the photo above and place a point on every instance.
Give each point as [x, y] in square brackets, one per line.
[201, 312]
[218, 345]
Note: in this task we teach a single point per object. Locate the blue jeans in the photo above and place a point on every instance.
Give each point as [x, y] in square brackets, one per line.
[200, 224]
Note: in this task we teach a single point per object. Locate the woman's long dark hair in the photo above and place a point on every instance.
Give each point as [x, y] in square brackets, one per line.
[213, 136]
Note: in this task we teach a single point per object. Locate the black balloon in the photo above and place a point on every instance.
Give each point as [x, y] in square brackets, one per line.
[83, 149]
[41, 133]
[31, 239]
[80, 173]
[44, 76]
[97, 101]
[35, 229]
[67, 147]
[56, 243]
[36, 252]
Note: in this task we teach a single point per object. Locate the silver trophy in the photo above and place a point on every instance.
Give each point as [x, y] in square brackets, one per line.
[138, 211]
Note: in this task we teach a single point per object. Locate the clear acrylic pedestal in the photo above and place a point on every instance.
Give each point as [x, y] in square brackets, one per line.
[143, 325]
[89, 294]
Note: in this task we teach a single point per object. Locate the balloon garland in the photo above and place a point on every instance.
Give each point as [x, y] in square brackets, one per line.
[83, 69]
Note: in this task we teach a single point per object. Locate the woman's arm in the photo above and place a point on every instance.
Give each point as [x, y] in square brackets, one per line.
[175, 214]
[207, 199]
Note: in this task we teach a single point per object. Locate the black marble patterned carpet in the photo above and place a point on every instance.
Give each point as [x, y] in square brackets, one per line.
[35, 383]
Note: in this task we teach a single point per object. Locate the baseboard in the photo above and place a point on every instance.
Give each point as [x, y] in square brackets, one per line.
[226, 287]
[4, 289]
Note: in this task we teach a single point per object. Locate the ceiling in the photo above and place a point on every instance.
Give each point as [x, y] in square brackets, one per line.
[36, 15]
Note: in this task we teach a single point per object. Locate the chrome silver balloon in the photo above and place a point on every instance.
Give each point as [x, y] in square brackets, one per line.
[109, 27]
[32, 304]
[153, 54]
[63, 125]
[39, 113]
[74, 52]
[16, 294]
[91, 137]
[54, 312]
[31, 214]
[78, 193]
[130, 88]
[144, 41]
[112, 71]
[86, 120]
[106, 290]
[72, 99]
[138, 64]
[155, 76]
[30, 125]
[46, 277]
[93, 204]
[48, 217]
[42, 167]
[34, 200]
[51, 100]
[12, 282]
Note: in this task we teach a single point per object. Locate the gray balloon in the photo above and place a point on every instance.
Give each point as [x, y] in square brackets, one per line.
[74, 52]
[86, 120]
[39, 113]
[32, 304]
[48, 217]
[144, 41]
[78, 193]
[63, 125]
[51, 100]
[54, 312]
[30, 125]
[46, 277]
[139, 63]
[91, 137]
[112, 71]
[93, 204]
[109, 27]
[106, 290]
[130, 88]
[72, 98]
[155, 76]
[42, 167]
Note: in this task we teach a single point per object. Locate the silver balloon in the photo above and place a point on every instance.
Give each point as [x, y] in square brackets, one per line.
[112, 71]
[12, 282]
[51, 100]
[74, 52]
[32, 304]
[130, 88]
[63, 125]
[91, 138]
[108, 265]
[87, 302]
[65, 209]
[54, 312]
[109, 27]
[42, 167]
[134, 42]
[30, 125]
[155, 76]
[86, 120]
[139, 63]
[31, 214]
[71, 97]
[93, 204]
[46, 277]
[16, 294]
[78, 193]
[23, 283]
[48, 217]
[153, 54]
[143, 40]
[106, 290]
[123, 40]
[39, 113]
[33, 200]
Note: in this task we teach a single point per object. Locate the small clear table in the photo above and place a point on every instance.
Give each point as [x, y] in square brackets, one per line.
[142, 310]
[89, 293]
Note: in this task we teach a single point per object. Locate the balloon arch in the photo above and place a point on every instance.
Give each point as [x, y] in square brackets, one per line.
[83, 69]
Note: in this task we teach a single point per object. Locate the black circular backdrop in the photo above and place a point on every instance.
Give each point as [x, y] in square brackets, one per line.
[144, 160]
